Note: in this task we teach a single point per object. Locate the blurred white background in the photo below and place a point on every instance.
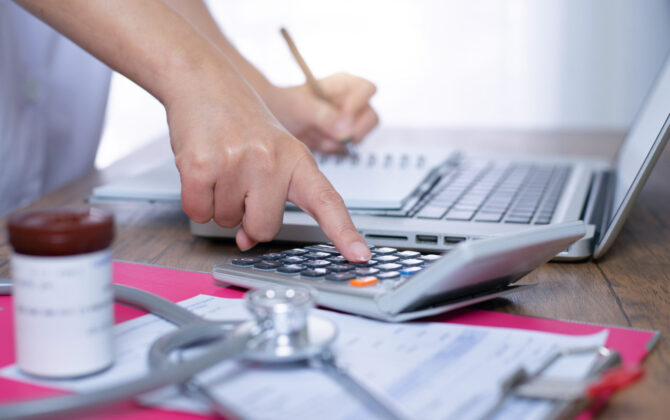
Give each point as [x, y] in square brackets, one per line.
[552, 64]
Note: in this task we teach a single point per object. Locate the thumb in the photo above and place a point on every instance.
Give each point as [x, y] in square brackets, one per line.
[329, 120]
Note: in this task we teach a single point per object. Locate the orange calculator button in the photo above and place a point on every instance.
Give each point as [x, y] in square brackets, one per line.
[363, 281]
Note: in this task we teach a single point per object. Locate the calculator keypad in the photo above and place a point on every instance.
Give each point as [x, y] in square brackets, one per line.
[322, 263]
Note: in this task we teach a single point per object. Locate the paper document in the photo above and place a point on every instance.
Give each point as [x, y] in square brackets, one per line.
[429, 370]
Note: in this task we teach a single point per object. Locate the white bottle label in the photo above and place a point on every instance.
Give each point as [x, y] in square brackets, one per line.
[63, 313]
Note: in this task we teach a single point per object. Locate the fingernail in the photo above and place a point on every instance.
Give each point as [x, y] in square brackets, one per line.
[344, 127]
[360, 251]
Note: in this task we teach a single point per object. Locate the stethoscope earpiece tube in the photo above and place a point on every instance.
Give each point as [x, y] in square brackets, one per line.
[229, 348]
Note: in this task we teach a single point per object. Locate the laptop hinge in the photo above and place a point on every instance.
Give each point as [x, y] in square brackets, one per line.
[597, 210]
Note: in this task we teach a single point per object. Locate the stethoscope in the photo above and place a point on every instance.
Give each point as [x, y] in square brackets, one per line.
[282, 330]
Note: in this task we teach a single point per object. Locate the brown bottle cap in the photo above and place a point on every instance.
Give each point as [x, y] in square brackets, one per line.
[60, 231]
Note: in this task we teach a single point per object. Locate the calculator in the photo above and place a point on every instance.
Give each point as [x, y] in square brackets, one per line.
[401, 285]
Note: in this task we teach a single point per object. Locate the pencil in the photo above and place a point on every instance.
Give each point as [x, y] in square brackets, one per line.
[312, 82]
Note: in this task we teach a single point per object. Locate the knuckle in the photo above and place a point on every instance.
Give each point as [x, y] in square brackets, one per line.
[261, 233]
[341, 75]
[262, 157]
[228, 220]
[346, 230]
[195, 214]
[329, 198]
[371, 87]
[195, 165]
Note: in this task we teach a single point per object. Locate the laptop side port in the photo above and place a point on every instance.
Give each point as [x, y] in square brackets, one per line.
[453, 240]
[386, 237]
[426, 239]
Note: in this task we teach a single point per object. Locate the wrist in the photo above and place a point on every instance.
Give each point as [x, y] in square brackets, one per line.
[185, 71]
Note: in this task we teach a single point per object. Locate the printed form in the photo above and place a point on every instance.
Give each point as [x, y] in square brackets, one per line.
[428, 370]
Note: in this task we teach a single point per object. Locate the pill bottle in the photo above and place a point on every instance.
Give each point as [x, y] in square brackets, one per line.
[62, 290]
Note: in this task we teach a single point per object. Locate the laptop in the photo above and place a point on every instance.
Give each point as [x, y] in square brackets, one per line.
[432, 200]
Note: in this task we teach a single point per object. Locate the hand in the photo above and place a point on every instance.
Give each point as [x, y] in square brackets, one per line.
[238, 165]
[322, 125]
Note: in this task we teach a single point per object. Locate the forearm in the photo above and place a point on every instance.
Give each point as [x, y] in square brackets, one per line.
[196, 12]
[146, 40]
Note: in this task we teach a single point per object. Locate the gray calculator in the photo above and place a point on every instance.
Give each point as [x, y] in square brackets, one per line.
[400, 285]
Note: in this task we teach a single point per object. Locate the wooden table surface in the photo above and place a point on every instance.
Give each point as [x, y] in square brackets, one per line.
[630, 286]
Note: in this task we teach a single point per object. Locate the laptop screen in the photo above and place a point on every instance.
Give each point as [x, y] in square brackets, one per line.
[641, 138]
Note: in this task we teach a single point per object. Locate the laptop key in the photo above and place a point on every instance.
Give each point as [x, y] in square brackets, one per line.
[459, 215]
[521, 220]
[488, 217]
[431, 212]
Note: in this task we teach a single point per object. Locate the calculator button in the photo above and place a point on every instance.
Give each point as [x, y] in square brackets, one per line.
[316, 255]
[323, 248]
[294, 252]
[429, 258]
[338, 268]
[340, 276]
[291, 268]
[368, 263]
[387, 258]
[408, 254]
[363, 281]
[389, 267]
[411, 262]
[293, 260]
[317, 263]
[337, 259]
[384, 250]
[267, 265]
[245, 261]
[408, 271]
[314, 272]
[366, 271]
[272, 256]
[388, 275]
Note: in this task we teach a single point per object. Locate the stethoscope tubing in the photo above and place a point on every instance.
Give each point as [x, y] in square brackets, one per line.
[230, 348]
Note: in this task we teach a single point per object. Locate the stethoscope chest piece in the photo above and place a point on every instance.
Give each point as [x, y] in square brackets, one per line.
[283, 329]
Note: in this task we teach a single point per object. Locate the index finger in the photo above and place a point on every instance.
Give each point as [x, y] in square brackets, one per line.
[311, 191]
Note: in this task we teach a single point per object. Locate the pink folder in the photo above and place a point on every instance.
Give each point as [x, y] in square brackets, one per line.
[177, 285]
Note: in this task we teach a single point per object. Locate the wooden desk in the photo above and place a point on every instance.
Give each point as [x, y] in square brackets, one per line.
[629, 287]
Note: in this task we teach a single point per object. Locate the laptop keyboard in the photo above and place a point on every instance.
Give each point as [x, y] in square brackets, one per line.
[490, 193]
